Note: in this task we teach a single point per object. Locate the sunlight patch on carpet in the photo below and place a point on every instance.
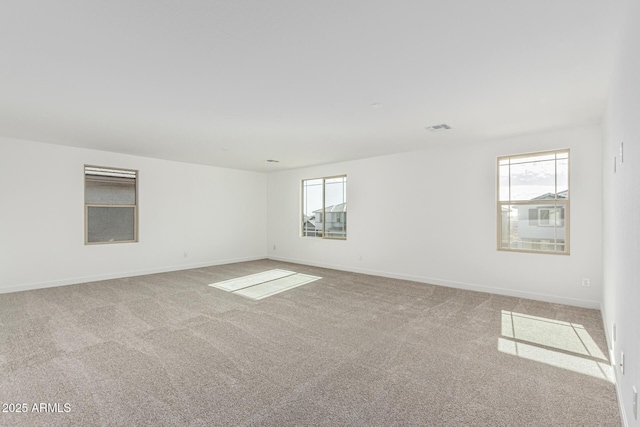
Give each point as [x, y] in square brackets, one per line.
[251, 280]
[273, 287]
[265, 284]
[555, 342]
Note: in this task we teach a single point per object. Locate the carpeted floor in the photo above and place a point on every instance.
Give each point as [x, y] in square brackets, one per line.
[349, 349]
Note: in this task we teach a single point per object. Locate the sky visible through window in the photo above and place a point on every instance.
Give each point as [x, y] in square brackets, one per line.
[335, 193]
[530, 177]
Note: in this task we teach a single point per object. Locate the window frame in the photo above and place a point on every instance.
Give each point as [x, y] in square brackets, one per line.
[562, 204]
[110, 205]
[323, 213]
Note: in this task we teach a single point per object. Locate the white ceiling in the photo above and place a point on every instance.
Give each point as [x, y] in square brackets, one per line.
[233, 83]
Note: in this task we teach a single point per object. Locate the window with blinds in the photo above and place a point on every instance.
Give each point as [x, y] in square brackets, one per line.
[111, 205]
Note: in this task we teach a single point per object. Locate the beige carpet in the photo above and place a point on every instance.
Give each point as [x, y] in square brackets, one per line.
[349, 349]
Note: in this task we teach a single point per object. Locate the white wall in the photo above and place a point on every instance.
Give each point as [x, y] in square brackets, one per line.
[189, 216]
[621, 297]
[431, 235]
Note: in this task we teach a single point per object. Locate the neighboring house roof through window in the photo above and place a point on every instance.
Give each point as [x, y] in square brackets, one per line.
[342, 207]
[551, 196]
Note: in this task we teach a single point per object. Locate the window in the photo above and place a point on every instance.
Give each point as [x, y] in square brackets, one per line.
[533, 202]
[324, 198]
[110, 203]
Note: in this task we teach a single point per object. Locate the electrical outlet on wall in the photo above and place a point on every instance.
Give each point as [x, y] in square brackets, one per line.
[586, 282]
[622, 362]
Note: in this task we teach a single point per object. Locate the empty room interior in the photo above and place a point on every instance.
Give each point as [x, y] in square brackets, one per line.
[175, 247]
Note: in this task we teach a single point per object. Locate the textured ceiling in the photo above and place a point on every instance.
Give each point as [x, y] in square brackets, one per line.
[234, 83]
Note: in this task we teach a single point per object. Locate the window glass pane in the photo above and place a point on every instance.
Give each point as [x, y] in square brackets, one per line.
[107, 192]
[534, 227]
[110, 224]
[335, 191]
[504, 227]
[512, 230]
[563, 178]
[504, 183]
[533, 180]
[312, 208]
[335, 195]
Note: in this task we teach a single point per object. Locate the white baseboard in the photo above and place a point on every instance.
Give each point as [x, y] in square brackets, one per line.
[434, 281]
[450, 284]
[611, 349]
[121, 274]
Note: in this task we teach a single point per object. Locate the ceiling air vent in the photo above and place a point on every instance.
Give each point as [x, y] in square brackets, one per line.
[438, 128]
